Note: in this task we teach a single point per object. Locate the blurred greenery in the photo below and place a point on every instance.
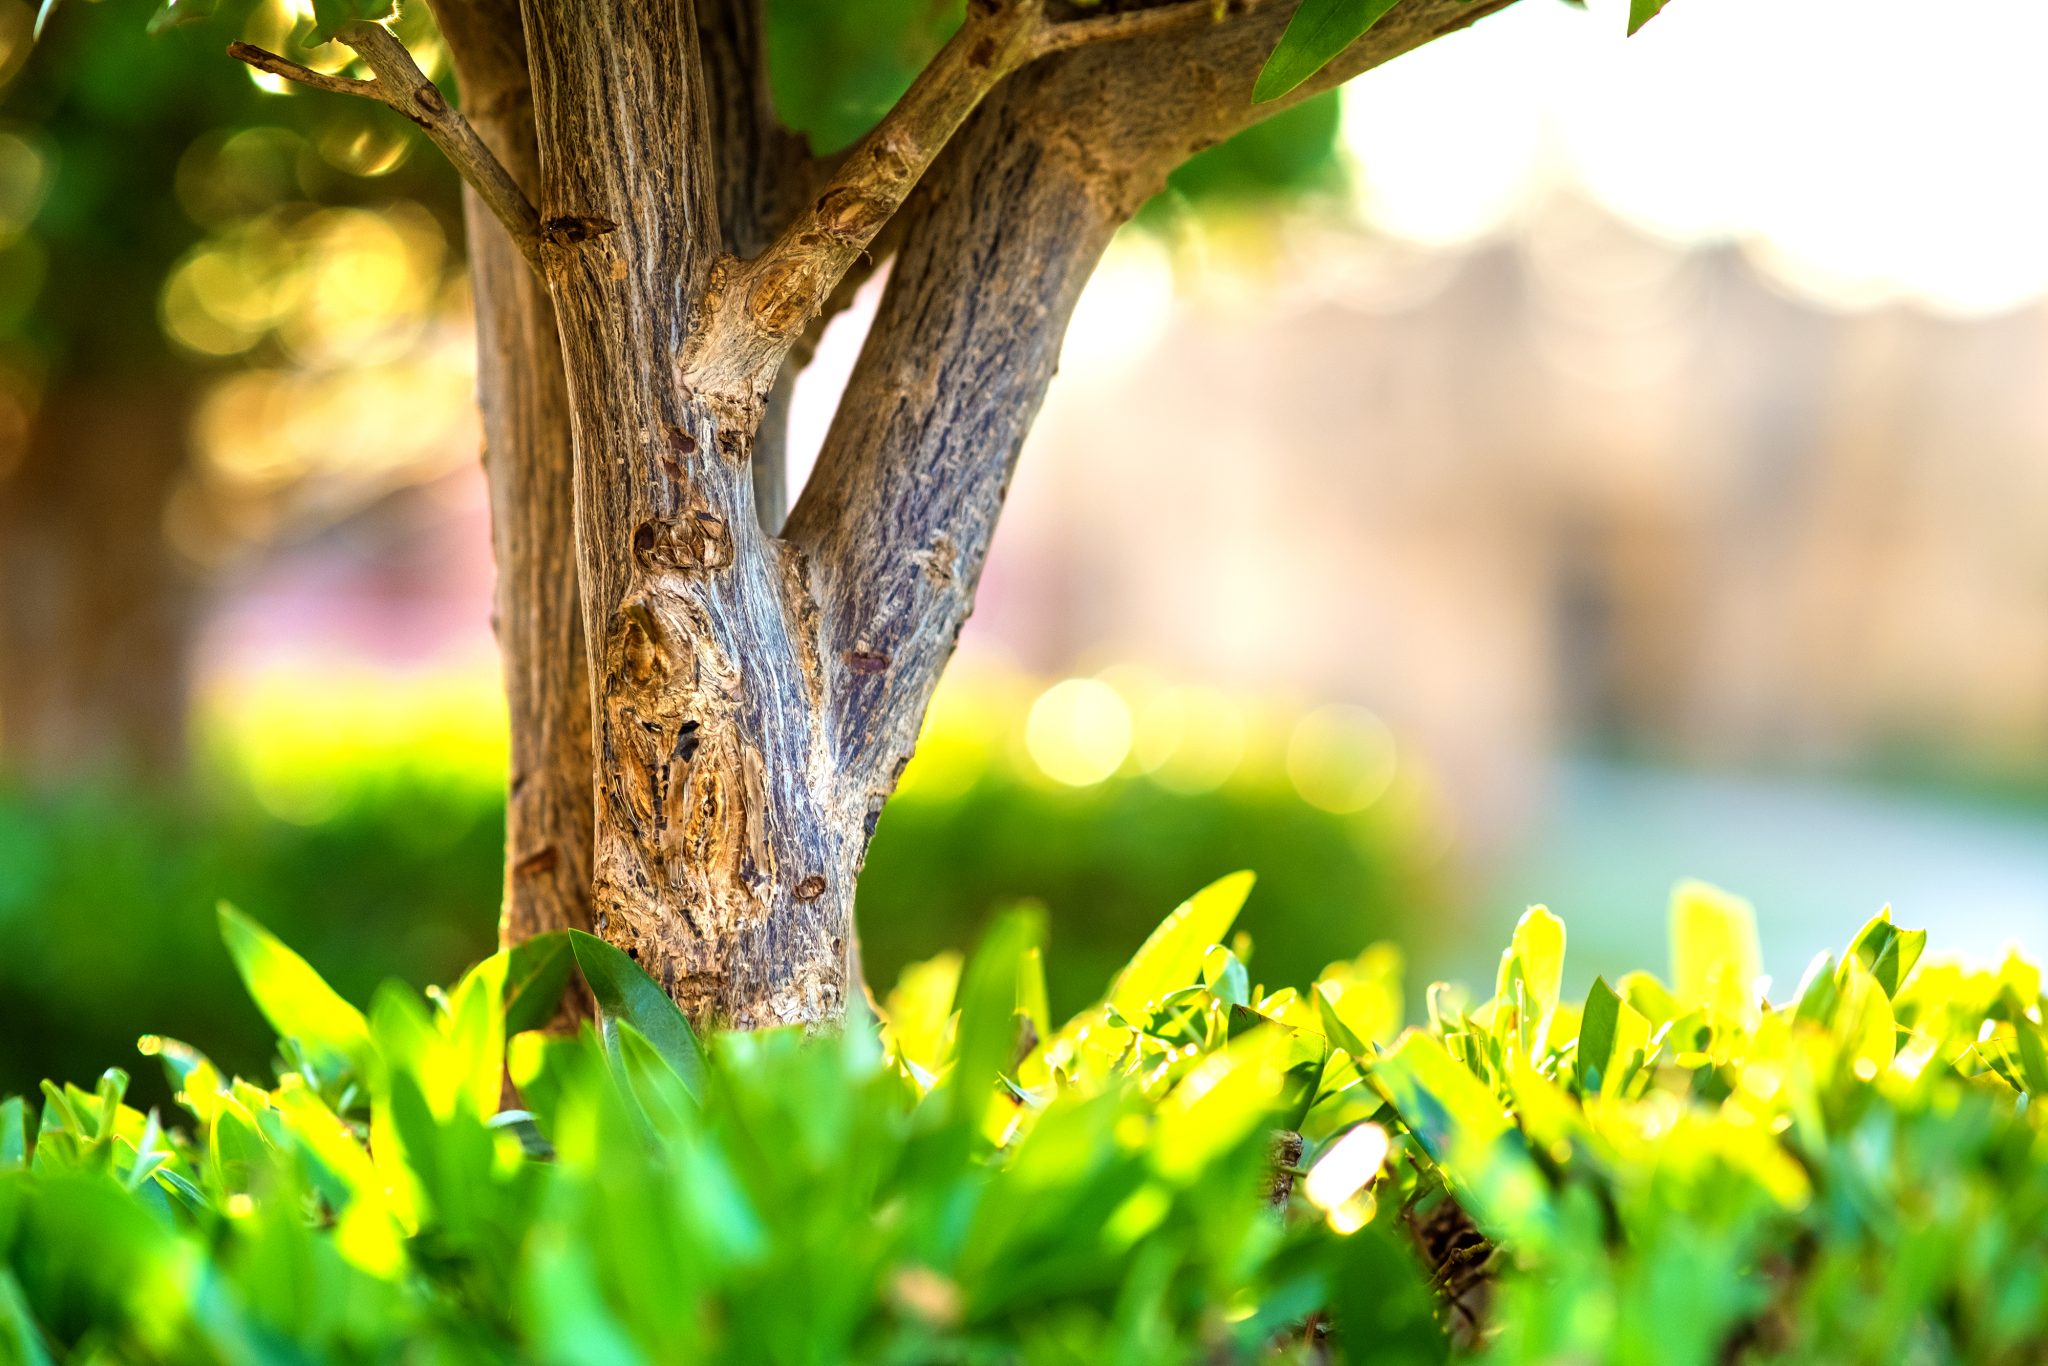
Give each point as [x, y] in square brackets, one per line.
[375, 842]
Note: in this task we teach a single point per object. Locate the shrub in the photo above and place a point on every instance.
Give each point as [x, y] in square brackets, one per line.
[1192, 1168]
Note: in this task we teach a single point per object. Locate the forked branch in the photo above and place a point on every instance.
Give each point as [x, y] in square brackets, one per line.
[759, 308]
[401, 85]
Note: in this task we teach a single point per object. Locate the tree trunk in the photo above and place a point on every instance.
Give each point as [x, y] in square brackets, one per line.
[527, 441]
[96, 608]
[754, 695]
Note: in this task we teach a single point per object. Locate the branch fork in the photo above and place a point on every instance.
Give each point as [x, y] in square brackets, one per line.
[758, 309]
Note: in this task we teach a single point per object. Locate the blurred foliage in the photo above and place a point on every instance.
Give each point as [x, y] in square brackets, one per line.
[125, 149]
[1194, 1167]
[374, 839]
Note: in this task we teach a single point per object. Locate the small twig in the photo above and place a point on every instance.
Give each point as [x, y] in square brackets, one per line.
[1135, 23]
[402, 86]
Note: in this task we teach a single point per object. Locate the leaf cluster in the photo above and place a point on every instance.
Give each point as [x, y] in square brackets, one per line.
[1194, 1167]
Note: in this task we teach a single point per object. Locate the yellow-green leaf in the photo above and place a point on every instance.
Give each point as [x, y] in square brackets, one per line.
[1715, 958]
[295, 999]
[1172, 957]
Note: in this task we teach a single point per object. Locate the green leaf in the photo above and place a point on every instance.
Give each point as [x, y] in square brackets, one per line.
[474, 1031]
[177, 13]
[1889, 952]
[1224, 974]
[1437, 1097]
[988, 1010]
[1641, 12]
[330, 15]
[1172, 957]
[650, 1080]
[623, 991]
[1818, 991]
[13, 1133]
[1319, 30]
[295, 999]
[1538, 946]
[1611, 1033]
[536, 973]
[1598, 1023]
[1341, 1034]
[20, 1339]
[2033, 1056]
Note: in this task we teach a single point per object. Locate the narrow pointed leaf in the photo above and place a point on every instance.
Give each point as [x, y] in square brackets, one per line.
[536, 974]
[1319, 30]
[292, 996]
[1172, 957]
[624, 992]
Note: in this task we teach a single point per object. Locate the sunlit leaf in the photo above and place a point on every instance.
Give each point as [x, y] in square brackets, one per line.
[1172, 957]
[1611, 1032]
[1230, 1096]
[1641, 12]
[295, 999]
[1715, 958]
[1538, 947]
[918, 1013]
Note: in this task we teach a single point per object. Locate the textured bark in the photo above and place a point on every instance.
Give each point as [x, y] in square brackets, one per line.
[754, 696]
[527, 440]
[898, 515]
[720, 863]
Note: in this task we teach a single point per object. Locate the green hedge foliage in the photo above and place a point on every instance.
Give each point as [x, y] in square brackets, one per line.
[1192, 1168]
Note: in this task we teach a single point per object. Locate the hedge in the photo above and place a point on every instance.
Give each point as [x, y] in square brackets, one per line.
[1193, 1168]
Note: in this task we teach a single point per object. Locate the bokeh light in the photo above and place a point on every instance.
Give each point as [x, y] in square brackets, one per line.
[1341, 758]
[1078, 731]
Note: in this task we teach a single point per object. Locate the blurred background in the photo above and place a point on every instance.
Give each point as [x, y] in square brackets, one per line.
[1554, 467]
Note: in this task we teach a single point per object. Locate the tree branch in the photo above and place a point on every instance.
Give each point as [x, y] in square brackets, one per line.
[402, 86]
[759, 308]
[898, 517]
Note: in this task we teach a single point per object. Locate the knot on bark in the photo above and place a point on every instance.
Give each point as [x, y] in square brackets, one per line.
[850, 214]
[569, 229]
[696, 542]
[784, 296]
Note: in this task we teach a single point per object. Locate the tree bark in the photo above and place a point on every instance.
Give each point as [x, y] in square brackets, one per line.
[96, 608]
[720, 863]
[754, 696]
[527, 439]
